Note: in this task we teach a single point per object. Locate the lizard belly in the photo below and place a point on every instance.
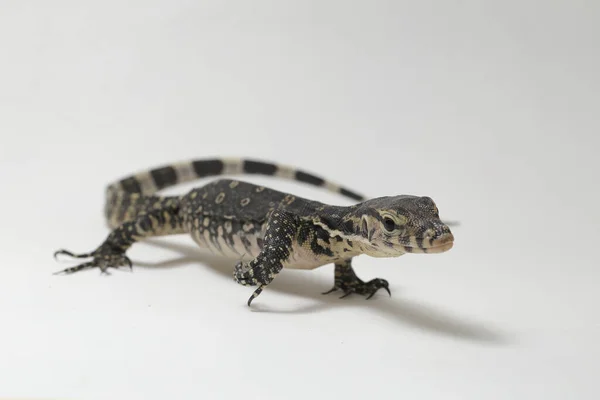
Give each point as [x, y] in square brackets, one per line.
[238, 246]
[245, 244]
[247, 248]
[304, 258]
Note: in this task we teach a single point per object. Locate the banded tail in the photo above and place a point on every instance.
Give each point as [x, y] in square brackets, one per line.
[128, 197]
[151, 181]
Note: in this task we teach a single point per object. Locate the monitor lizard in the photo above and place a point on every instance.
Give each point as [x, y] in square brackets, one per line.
[265, 229]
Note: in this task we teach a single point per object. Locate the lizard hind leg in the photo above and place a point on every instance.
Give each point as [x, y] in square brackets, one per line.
[104, 257]
[348, 282]
[111, 253]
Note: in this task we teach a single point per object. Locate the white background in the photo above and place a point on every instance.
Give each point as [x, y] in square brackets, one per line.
[490, 108]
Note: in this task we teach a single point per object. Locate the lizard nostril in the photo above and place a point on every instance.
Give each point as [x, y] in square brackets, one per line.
[438, 234]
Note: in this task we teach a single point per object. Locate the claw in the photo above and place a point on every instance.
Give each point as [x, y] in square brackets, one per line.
[79, 267]
[377, 289]
[333, 289]
[70, 254]
[129, 263]
[255, 294]
[346, 295]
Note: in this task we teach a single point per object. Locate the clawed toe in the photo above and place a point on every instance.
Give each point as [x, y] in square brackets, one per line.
[104, 258]
[76, 268]
[333, 289]
[375, 285]
[71, 254]
[367, 289]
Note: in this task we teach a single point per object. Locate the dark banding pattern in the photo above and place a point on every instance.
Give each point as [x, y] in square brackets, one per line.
[171, 175]
[259, 167]
[164, 177]
[309, 178]
[204, 168]
[131, 185]
[351, 194]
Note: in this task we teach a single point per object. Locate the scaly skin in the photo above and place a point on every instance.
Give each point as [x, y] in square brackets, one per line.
[266, 229]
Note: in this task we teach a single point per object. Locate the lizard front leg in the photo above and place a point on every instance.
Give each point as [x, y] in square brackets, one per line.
[111, 253]
[280, 234]
[347, 281]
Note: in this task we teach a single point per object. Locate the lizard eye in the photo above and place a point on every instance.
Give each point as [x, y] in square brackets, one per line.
[389, 224]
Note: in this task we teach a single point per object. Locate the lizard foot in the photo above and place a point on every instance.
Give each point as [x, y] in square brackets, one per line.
[243, 274]
[357, 286]
[104, 257]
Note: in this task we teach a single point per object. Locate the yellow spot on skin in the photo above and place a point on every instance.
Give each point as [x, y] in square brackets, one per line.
[205, 195]
[206, 222]
[260, 189]
[193, 195]
[245, 202]
[228, 226]
[234, 184]
[220, 198]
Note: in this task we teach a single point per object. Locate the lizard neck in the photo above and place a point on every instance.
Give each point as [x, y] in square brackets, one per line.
[343, 226]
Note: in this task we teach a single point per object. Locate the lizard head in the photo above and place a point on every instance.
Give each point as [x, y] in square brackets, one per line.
[392, 226]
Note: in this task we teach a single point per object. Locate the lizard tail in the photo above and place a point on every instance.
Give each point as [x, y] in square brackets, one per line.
[149, 182]
[130, 196]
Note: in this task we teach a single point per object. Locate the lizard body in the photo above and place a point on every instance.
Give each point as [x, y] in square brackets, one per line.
[265, 229]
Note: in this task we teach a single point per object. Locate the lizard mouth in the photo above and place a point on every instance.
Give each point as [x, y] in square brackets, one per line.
[439, 248]
[438, 245]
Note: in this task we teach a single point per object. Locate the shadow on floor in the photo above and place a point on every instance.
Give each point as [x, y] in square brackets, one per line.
[299, 283]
